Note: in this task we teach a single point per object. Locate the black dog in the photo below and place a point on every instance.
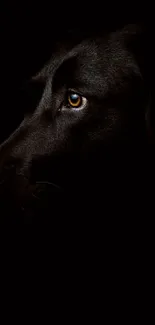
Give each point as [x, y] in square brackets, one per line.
[85, 122]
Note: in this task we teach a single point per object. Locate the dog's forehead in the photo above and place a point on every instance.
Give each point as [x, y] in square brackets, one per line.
[90, 52]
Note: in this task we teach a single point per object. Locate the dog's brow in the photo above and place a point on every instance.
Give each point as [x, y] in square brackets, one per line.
[93, 73]
[58, 57]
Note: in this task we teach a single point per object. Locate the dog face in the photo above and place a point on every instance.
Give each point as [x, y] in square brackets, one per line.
[89, 120]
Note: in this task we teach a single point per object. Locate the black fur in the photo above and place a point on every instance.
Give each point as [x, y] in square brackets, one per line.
[57, 150]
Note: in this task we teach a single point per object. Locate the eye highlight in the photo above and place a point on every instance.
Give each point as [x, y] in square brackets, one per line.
[75, 101]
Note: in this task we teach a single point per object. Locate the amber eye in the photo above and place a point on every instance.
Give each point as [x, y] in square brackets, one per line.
[74, 100]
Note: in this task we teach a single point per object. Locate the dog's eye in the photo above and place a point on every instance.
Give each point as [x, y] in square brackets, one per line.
[76, 101]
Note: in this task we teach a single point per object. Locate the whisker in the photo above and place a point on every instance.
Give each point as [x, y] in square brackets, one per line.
[49, 183]
[22, 175]
[35, 196]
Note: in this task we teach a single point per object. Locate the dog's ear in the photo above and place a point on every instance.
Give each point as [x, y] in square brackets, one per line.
[133, 36]
[132, 30]
[139, 39]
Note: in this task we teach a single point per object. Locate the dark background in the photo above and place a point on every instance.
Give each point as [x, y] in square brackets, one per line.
[29, 30]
